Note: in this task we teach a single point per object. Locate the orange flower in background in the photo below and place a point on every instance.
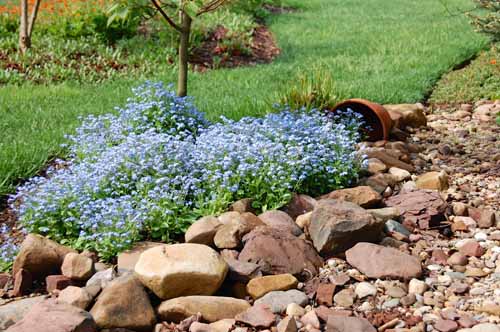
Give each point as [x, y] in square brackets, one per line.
[493, 61]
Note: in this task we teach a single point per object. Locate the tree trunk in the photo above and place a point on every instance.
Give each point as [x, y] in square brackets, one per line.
[183, 54]
[24, 37]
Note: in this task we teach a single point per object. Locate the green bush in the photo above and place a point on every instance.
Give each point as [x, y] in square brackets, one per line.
[488, 21]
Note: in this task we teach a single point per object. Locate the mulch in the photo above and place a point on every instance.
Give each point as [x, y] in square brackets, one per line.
[263, 50]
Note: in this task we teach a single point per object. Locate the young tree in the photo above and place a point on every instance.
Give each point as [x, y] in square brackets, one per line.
[27, 24]
[185, 10]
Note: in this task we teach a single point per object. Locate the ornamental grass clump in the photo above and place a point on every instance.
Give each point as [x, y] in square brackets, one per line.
[157, 165]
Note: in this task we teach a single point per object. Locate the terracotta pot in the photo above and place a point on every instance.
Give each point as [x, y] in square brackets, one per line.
[374, 115]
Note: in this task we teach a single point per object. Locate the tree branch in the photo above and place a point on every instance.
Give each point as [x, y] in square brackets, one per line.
[166, 17]
[211, 6]
[34, 13]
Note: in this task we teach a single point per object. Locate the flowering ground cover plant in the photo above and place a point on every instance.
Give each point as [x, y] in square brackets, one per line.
[157, 165]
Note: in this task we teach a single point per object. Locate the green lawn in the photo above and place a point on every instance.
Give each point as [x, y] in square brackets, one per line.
[384, 50]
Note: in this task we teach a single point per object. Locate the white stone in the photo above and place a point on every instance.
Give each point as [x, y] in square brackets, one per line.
[293, 309]
[364, 289]
[417, 287]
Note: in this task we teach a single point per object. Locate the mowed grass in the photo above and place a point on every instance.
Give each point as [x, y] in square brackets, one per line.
[383, 50]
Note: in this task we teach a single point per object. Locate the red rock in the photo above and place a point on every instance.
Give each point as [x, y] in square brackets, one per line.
[259, 316]
[299, 205]
[59, 282]
[280, 220]
[445, 325]
[466, 321]
[22, 283]
[472, 249]
[278, 252]
[49, 316]
[484, 218]
[348, 324]
[419, 208]
[439, 256]
[324, 312]
[382, 262]
[324, 294]
[338, 225]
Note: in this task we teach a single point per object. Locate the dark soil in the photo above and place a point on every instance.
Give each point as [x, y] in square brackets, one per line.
[211, 55]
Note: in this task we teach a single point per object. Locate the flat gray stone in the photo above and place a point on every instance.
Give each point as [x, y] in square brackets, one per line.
[279, 300]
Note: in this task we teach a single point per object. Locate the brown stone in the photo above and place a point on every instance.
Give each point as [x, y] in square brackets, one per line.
[338, 225]
[230, 234]
[260, 286]
[259, 316]
[203, 231]
[344, 298]
[280, 220]
[279, 252]
[363, 196]
[484, 218]
[433, 181]
[324, 294]
[75, 296]
[128, 258]
[457, 258]
[124, 303]
[386, 158]
[439, 256]
[239, 270]
[40, 256]
[212, 308]
[242, 205]
[287, 324]
[471, 248]
[310, 319]
[446, 325]
[22, 283]
[381, 262]
[407, 115]
[419, 208]
[49, 316]
[4, 279]
[77, 267]
[58, 282]
[348, 324]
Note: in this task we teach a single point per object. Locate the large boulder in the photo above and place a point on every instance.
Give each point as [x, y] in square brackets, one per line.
[128, 258]
[419, 208]
[280, 220]
[49, 316]
[181, 269]
[278, 251]
[407, 115]
[337, 225]
[40, 256]
[363, 196]
[124, 304]
[211, 308]
[13, 312]
[379, 262]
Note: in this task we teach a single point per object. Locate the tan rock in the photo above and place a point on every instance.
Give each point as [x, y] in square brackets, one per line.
[181, 269]
[76, 296]
[124, 304]
[280, 220]
[229, 235]
[77, 267]
[304, 220]
[212, 308]
[407, 115]
[433, 181]
[376, 166]
[259, 287]
[128, 258]
[363, 196]
[203, 231]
